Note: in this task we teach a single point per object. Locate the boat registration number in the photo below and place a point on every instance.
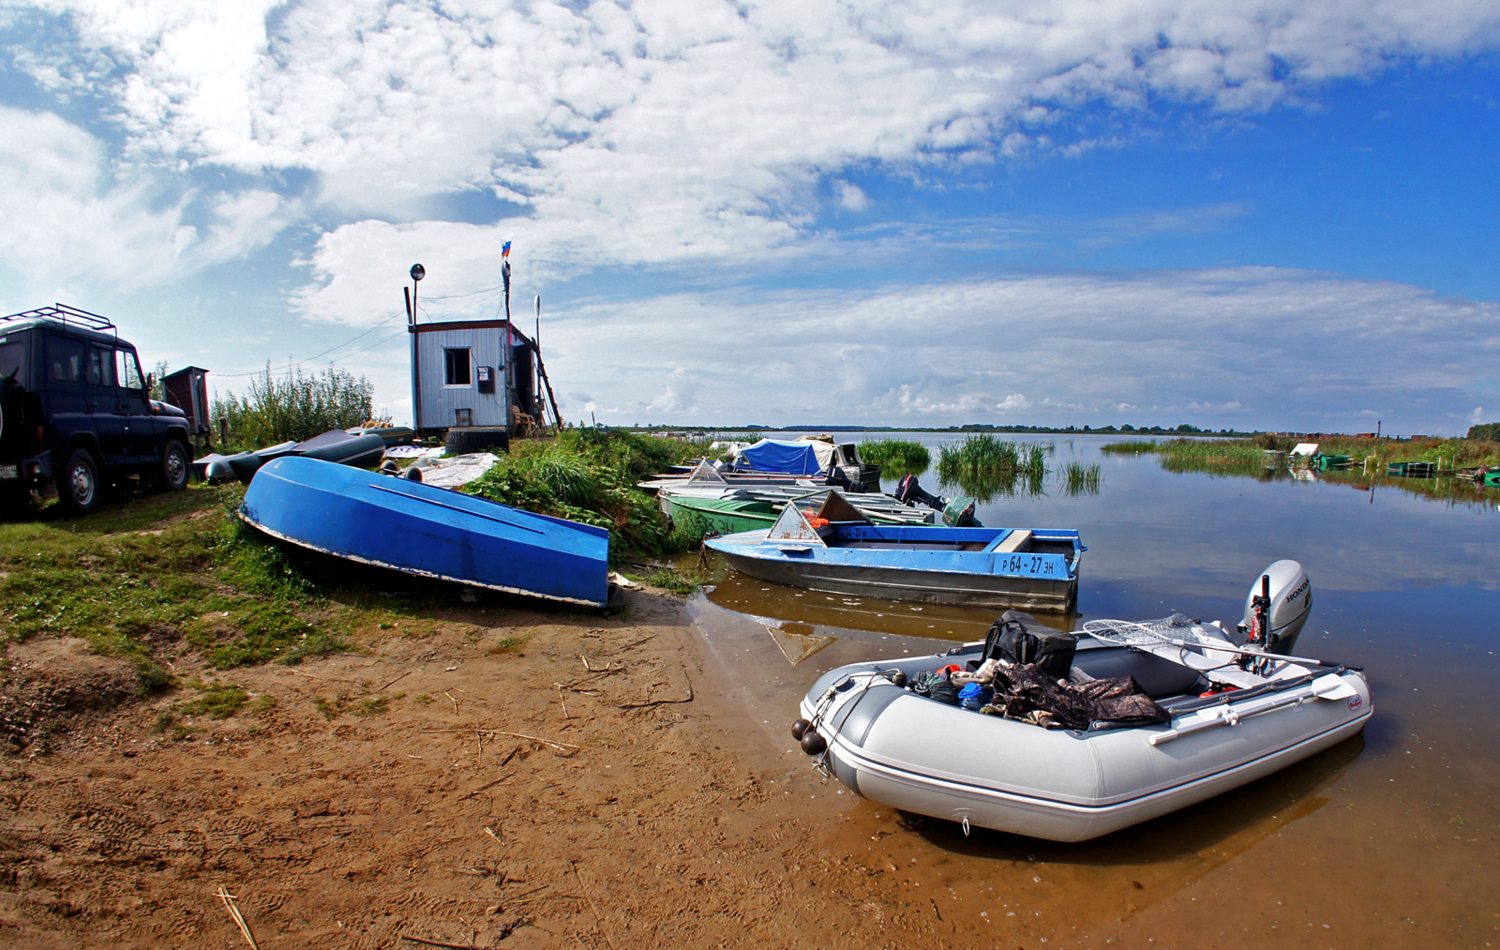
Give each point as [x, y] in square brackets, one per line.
[10, 471]
[1050, 566]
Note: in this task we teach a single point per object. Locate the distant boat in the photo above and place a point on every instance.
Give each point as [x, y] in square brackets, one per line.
[433, 532]
[731, 505]
[840, 551]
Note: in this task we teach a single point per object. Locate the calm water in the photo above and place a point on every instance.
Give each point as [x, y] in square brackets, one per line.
[1392, 839]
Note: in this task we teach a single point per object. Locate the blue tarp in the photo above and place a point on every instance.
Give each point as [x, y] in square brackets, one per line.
[769, 455]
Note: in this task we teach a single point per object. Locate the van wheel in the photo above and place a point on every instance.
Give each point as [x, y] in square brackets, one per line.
[78, 489]
[175, 465]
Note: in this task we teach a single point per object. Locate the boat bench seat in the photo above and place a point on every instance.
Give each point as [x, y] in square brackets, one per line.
[1013, 542]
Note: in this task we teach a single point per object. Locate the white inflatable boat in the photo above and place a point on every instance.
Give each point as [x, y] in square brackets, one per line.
[1238, 711]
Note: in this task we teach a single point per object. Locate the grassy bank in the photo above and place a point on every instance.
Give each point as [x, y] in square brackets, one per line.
[896, 456]
[157, 575]
[1250, 454]
[589, 475]
[165, 574]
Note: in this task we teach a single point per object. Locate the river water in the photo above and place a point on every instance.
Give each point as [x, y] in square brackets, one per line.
[1391, 839]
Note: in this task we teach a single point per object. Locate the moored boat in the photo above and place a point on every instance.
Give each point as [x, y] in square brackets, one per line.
[433, 532]
[1207, 714]
[841, 551]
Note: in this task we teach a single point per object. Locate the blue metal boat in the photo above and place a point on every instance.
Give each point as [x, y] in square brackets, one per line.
[840, 551]
[432, 532]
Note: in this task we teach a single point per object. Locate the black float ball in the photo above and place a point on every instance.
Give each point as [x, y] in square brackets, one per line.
[814, 744]
[899, 679]
[799, 727]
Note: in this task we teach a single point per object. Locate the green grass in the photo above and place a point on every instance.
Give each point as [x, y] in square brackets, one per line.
[896, 456]
[217, 700]
[985, 467]
[160, 570]
[589, 475]
[1079, 478]
[1249, 455]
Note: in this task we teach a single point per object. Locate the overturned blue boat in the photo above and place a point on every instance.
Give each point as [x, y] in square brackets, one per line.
[840, 551]
[428, 531]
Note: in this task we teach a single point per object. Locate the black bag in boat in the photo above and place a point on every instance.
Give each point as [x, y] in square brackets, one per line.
[1022, 692]
[935, 686]
[1017, 637]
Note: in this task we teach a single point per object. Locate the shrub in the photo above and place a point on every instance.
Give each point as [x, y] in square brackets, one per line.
[296, 407]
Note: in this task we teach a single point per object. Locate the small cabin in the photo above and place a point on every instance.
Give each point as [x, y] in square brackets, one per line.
[475, 373]
[187, 389]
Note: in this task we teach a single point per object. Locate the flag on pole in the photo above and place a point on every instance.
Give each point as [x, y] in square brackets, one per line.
[505, 251]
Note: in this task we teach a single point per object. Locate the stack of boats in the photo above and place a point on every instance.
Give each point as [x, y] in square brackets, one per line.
[361, 447]
[743, 501]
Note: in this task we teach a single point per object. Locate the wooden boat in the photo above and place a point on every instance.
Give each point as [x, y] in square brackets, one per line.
[1226, 726]
[428, 531]
[841, 551]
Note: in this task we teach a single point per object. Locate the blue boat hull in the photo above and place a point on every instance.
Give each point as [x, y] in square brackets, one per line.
[431, 532]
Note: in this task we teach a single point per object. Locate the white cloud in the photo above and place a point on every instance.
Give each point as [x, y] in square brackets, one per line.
[851, 197]
[681, 130]
[1285, 348]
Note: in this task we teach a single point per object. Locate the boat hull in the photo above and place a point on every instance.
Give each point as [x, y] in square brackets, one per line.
[726, 516]
[909, 752]
[921, 564]
[428, 531]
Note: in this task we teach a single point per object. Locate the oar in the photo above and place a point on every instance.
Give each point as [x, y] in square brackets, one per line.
[1324, 687]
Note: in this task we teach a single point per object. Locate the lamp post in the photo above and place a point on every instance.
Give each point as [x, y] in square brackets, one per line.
[417, 273]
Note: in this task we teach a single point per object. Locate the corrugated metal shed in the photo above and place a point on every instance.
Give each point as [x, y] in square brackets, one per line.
[453, 364]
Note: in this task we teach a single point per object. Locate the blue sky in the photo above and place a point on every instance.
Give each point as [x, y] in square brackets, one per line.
[1261, 215]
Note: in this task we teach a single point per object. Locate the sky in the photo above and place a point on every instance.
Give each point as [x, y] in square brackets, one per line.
[1262, 214]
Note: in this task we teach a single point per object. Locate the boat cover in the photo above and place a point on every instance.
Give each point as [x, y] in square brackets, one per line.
[795, 458]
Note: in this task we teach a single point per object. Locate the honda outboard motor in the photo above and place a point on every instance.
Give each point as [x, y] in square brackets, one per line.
[1277, 607]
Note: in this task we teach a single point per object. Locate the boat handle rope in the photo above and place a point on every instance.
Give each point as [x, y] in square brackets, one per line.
[826, 700]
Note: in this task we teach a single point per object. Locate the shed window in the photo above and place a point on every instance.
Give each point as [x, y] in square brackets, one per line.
[456, 367]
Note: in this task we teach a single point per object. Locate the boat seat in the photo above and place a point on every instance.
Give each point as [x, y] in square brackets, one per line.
[1014, 541]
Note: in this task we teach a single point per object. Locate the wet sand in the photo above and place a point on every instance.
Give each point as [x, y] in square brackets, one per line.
[630, 782]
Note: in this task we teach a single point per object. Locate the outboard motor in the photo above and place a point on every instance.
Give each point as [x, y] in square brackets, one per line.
[908, 492]
[1277, 607]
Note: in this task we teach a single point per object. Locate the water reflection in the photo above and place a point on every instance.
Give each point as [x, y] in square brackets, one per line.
[1406, 581]
[815, 614]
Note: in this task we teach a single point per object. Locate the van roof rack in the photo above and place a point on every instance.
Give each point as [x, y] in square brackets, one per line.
[65, 315]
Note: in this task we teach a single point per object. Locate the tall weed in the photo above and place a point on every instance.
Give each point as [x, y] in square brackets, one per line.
[296, 406]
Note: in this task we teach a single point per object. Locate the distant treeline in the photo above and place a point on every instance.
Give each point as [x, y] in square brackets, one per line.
[1486, 432]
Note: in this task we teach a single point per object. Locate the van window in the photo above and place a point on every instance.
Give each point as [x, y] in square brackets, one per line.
[127, 371]
[101, 369]
[65, 359]
[13, 358]
[456, 366]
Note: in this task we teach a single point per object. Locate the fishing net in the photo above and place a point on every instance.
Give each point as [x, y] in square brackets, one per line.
[1175, 630]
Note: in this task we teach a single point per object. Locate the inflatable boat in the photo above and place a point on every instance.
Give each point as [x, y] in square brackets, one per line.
[1231, 710]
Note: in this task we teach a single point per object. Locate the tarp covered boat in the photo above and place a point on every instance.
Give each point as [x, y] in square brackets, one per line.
[428, 531]
[840, 551]
[1230, 713]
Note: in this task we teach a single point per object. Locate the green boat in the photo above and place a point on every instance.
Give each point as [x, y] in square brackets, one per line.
[733, 515]
[724, 515]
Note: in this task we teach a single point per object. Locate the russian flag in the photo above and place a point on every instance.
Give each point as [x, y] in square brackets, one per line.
[505, 251]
